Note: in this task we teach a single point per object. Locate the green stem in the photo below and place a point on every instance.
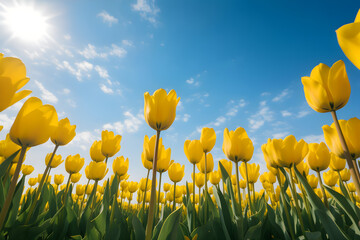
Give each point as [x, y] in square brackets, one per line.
[150, 221]
[282, 195]
[238, 185]
[322, 189]
[10, 194]
[194, 196]
[174, 196]
[114, 202]
[82, 201]
[158, 198]
[94, 197]
[146, 183]
[248, 187]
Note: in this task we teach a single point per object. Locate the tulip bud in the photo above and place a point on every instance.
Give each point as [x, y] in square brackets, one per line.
[64, 133]
[237, 146]
[207, 139]
[27, 169]
[193, 151]
[58, 179]
[318, 156]
[209, 163]
[95, 152]
[110, 143]
[97, 170]
[176, 172]
[56, 161]
[73, 164]
[253, 171]
[75, 177]
[120, 165]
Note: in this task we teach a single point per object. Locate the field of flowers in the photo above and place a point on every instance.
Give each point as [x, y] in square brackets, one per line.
[292, 204]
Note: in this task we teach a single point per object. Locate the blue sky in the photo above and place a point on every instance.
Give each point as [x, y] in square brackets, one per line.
[233, 63]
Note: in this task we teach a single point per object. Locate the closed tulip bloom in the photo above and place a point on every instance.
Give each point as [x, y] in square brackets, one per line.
[348, 37]
[327, 89]
[73, 164]
[269, 177]
[214, 177]
[34, 124]
[199, 179]
[12, 169]
[193, 151]
[160, 109]
[97, 170]
[8, 148]
[32, 182]
[237, 146]
[12, 78]
[58, 179]
[80, 189]
[147, 164]
[227, 165]
[56, 161]
[176, 172]
[253, 171]
[95, 152]
[209, 164]
[303, 168]
[318, 156]
[120, 165]
[313, 181]
[133, 187]
[345, 174]
[207, 139]
[75, 177]
[149, 147]
[27, 169]
[233, 180]
[110, 143]
[288, 152]
[1, 128]
[164, 161]
[336, 163]
[351, 187]
[269, 153]
[166, 187]
[330, 178]
[350, 129]
[142, 184]
[64, 133]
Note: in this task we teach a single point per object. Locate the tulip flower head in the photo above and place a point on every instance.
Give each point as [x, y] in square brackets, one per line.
[176, 172]
[58, 179]
[149, 147]
[64, 133]
[330, 178]
[193, 150]
[237, 146]
[12, 78]
[97, 170]
[27, 169]
[110, 143]
[253, 171]
[349, 40]
[56, 161]
[147, 164]
[120, 165]
[209, 163]
[214, 177]
[73, 164]
[8, 148]
[227, 165]
[75, 177]
[207, 139]
[160, 109]
[318, 156]
[95, 152]
[32, 181]
[327, 89]
[164, 161]
[336, 163]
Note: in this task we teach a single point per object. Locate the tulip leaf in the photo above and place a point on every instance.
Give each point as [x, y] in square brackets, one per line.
[4, 166]
[170, 228]
[224, 214]
[14, 207]
[138, 228]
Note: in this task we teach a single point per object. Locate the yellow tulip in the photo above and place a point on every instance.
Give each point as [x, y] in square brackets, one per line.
[350, 129]
[34, 124]
[199, 179]
[147, 164]
[270, 154]
[58, 179]
[233, 180]
[110, 143]
[269, 177]
[80, 189]
[227, 165]
[1, 128]
[313, 181]
[242, 184]
[32, 181]
[56, 161]
[237, 146]
[164, 161]
[351, 187]
[97, 170]
[330, 178]
[349, 40]
[303, 168]
[209, 163]
[288, 152]
[327, 89]
[336, 163]
[133, 187]
[253, 171]
[345, 175]
[166, 187]
[8, 148]
[95, 152]
[75, 177]
[149, 147]
[318, 156]
[73, 164]
[12, 169]
[176, 172]
[27, 169]
[214, 177]
[193, 151]
[64, 133]
[12, 78]
[207, 139]
[120, 165]
[143, 185]
[160, 109]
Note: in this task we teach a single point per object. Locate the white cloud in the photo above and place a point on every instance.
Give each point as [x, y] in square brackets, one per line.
[286, 113]
[127, 43]
[103, 73]
[46, 94]
[147, 10]
[66, 91]
[258, 119]
[190, 81]
[107, 18]
[106, 89]
[80, 69]
[314, 138]
[219, 121]
[235, 107]
[186, 117]
[90, 52]
[302, 114]
[83, 139]
[67, 36]
[117, 51]
[72, 103]
[6, 121]
[281, 96]
[130, 124]
[280, 135]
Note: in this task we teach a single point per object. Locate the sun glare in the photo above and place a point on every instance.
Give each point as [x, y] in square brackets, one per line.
[25, 23]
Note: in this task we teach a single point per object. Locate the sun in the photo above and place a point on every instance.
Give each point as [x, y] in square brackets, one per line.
[25, 23]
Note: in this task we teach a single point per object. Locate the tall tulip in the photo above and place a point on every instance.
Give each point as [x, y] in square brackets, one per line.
[110, 143]
[176, 173]
[159, 113]
[95, 152]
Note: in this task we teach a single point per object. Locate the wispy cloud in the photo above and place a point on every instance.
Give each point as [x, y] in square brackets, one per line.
[127, 43]
[280, 135]
[106, 89]
[103, 73]
[91, 52]
[264, 114]
[80, 69]
[147, 10]
[46, 94]
[235, 105]
[130, 124]
[117, 51]
[107, 18]
[303, 113]
[314, 138]
[281, 96]
[286, 113]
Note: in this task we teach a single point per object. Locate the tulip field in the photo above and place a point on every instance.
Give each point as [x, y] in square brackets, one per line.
[220, 202]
